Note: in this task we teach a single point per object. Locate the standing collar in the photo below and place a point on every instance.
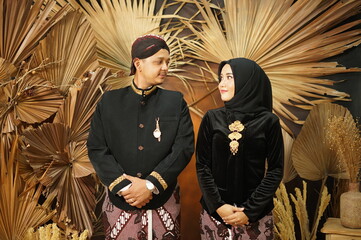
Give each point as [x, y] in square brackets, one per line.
[143, 92]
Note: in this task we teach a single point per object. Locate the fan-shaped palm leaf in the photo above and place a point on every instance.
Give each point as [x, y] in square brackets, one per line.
[57, 161]
[289, 172]
[70, 47]
[18, 210]
[7, 70]
[118, 23]
[23, 24]
[80, 104]
[311, 154]
[29, 99]
[287, 38]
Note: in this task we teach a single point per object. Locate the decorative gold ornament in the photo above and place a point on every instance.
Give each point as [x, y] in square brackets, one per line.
[236, 127]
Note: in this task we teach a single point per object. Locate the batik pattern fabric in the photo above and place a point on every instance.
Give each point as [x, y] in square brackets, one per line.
[212, 229]
[133, 225]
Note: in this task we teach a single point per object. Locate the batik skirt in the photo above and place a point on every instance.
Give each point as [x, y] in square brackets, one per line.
[212, 229]
[162, 223]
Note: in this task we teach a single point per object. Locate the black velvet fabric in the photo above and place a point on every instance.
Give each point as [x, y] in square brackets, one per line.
[241, 179]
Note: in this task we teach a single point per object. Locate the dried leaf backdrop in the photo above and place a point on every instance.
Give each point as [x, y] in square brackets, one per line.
[289, 40]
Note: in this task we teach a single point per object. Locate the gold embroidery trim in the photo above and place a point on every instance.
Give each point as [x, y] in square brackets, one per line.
[160, 179]
[115, 182]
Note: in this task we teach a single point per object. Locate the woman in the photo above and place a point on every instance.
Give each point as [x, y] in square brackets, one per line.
[234, 144]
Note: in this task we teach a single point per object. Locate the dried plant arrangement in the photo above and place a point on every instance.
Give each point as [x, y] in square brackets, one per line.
[288, 39]
[57, 154]
[284, 224]
[23, 24]
[52, 232]
[343, 135]
[19, 208]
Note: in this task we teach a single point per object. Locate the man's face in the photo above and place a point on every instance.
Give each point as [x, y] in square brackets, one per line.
[152, 70]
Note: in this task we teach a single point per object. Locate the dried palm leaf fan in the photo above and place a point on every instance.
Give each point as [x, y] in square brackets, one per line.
[67, 52]
[19, 210]
[289, 172]
[311, 154]
[23, 24]
[78, 108]
[117, 24]
[57, 161]
[6, 70]
[28, 99]
[287, 38]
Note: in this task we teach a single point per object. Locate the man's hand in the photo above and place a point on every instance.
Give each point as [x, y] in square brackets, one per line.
[138, 194]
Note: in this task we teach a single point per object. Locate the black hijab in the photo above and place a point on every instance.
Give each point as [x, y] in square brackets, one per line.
[253, 93]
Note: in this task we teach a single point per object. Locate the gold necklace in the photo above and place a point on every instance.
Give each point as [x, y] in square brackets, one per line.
[236, 127]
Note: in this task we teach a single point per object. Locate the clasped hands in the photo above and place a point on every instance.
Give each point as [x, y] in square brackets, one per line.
[138, 195]
[232, 215]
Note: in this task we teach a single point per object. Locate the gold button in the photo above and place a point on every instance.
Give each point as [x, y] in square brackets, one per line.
[141, 125]
[142, 103]
[140, 148]
[139, 175]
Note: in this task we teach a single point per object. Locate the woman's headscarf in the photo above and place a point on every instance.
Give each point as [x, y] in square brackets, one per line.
[146, 46]
[253, 93]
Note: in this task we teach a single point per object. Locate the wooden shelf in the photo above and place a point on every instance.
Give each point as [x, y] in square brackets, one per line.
[335, 231]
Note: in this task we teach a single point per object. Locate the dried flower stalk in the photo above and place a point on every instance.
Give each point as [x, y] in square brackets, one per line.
[344, 137]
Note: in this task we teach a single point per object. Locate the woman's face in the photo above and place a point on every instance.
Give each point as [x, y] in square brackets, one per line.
[226, 84]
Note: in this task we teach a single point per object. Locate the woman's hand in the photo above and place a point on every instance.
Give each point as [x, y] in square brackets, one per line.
[237, 218]
[232, 215]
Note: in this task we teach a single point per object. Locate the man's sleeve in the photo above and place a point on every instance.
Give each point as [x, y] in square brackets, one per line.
[104, 163]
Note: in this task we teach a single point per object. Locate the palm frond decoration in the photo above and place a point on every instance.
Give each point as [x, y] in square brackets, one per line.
[80, 104]
[57, 162]
[288, 39]
[68, 51]
[311, 154]
[289, 172]
[7, 70]
[19, 208]
[29, 99]
[118, 23]
[22, 24]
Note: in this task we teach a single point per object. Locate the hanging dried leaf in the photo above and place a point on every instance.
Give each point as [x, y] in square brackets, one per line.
[288, 39]
[58, 162]
[29, 99]
[311, 154]
[23, 24]
[289, 172]
[78, 108]
[7, 70]
[70, 47]
[19, 208]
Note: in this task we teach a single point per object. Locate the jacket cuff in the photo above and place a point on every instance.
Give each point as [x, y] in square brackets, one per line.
[158, 181]
[118, 184]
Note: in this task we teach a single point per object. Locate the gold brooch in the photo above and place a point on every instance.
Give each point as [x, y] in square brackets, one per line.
[236, 127]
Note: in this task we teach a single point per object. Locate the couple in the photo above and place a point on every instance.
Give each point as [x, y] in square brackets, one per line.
[141, 138]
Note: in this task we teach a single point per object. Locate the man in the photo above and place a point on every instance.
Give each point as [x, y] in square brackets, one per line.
[141, 138]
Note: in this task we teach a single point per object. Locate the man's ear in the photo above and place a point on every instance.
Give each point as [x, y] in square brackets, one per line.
[137, 63]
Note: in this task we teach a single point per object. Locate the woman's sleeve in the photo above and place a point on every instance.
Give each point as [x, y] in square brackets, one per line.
[106, 167]
[263, 195]
[209, 189]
